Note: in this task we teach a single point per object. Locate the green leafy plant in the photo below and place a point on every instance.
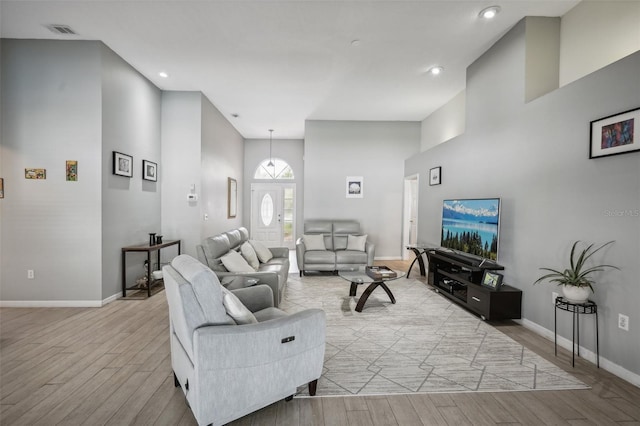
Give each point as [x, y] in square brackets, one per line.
[577, 274]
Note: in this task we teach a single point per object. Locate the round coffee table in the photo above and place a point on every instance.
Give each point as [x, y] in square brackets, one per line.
[359, 276]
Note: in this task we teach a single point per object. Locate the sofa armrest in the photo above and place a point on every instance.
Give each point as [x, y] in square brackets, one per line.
[370, 249]
[254, 345]
[300, 249]
[255, 298]
[279, 252]
[235, 280]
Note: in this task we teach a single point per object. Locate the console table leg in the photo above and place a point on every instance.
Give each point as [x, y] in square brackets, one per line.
[124, 274]
[148, 274]
[597, 342]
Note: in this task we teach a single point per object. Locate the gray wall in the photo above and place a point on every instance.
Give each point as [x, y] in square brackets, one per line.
[179, 169]
[375, 150]
[51, 112]
[130, 206]
[535, 157]
[222, 158]
[289, 150]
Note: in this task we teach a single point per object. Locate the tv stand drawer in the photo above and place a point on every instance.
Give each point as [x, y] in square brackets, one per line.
[478, 301]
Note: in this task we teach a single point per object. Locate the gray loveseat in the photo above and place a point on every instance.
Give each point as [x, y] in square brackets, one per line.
[338, 252]
[274, 272]
[232, 352]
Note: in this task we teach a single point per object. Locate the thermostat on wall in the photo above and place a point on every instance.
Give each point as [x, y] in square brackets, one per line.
[192, 197]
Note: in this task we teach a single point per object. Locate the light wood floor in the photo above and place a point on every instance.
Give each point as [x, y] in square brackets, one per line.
[111, 365]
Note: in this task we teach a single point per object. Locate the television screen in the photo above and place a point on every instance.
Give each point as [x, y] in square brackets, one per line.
[471, 226]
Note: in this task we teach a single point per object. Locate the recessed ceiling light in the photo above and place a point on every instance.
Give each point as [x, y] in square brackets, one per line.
[489, 12]
[435, 70]
[163, 74]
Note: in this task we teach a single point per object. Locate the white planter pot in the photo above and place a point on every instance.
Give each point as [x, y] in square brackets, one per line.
[575, 294]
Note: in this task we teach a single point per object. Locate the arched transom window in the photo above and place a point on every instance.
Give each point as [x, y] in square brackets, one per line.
[279, 170]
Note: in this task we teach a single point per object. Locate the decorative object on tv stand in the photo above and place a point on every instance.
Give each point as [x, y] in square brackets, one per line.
[122, 164]
[149, 170]
[355, 187]
[435, 176]
[615, 134]
[492, 280]
[576, 280]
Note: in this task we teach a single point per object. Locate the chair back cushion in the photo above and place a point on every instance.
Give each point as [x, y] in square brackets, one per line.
[323, 227]
[195, 298]
[341, 231]
[235, 238]
[214, 248]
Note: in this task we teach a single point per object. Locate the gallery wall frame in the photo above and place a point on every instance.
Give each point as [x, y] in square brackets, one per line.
[355, 187]
[232, 198]
[435, 176]
[149, 170]
[71, 171]
[615, 134]
[35, 174]
[122, 164]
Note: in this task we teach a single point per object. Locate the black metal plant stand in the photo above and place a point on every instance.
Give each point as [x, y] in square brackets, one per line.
[589, 307]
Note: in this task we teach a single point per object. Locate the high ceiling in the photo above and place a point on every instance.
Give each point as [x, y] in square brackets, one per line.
[278, 63]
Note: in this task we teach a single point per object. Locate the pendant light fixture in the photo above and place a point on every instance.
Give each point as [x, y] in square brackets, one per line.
[270, 163]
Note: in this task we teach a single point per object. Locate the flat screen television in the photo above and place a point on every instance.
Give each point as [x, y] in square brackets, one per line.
[471, 226]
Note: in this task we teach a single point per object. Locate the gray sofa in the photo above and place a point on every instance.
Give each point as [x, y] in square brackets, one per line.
[232, 352]
[273, 273]
[336, 256]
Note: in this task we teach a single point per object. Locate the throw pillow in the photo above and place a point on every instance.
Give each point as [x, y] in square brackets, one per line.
[234, 262]
[236, 310]
[264, 254]
[356, 242]
[314, 242]
[250, 255]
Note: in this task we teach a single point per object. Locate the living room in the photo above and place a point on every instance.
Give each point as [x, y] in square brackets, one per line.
[533, 155]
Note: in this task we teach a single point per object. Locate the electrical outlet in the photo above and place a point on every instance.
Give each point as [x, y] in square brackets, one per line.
[623, 322]
[30, 274]
[554, 296]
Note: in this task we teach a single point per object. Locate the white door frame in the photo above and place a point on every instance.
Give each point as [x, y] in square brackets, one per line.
[279, 210]
[411, 184]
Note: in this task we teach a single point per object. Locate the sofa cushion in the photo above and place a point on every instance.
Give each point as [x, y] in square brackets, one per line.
[236, 310]
[214, 248]
[234, 262]
[348, 257]
[356, 242]
[313, 241]
[264, 254]
[319, 257]
[250, 255]
[235, 238]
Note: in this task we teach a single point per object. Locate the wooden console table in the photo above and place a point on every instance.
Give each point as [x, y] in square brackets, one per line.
[148, 249]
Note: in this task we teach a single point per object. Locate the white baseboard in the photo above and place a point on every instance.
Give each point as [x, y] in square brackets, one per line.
[585, 353]
[388, 258]
[57, 303]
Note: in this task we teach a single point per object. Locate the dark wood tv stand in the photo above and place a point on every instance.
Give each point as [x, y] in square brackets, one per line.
[458, 278]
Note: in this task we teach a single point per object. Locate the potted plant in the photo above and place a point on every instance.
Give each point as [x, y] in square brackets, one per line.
[576, 280]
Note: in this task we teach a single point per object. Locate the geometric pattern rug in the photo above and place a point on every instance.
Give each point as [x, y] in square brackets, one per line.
[422, 344]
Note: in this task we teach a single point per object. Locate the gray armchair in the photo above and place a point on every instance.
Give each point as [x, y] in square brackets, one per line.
[232, 352]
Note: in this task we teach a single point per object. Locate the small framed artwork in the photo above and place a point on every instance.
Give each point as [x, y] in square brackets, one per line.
[355, 187]
[232, 197]
[1, 187]
[72, 171]
[492, 280]
[434, 176]
[615, 134]
[149, 170]
[35, 173]
[122, 164]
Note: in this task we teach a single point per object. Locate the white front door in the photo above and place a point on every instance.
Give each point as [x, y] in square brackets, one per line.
[273, 213]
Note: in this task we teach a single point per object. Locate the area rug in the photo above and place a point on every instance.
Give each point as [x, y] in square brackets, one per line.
[422, 344]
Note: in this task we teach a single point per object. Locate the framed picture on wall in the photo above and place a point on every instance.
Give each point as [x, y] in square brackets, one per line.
[122, 164]
[232, 198]
[149, 170]
[355, 187]
[615, 134]
[434, 176]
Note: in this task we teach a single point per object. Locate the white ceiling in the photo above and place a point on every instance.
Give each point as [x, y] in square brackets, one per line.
[279, 63]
